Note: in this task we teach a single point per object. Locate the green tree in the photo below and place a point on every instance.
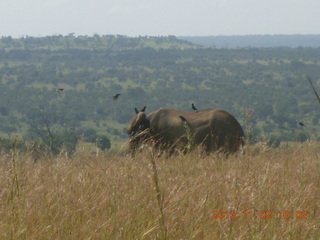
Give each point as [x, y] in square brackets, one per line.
[103, 142]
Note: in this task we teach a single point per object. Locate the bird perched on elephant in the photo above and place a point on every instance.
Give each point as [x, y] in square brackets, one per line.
[213, 129]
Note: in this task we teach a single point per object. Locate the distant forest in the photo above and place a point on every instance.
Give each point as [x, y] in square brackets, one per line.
[256, 41]
[269, 83]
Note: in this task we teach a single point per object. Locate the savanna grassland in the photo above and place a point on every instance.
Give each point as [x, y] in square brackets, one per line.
[107, 196]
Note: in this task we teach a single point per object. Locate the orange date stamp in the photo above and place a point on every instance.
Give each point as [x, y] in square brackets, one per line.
[260, 215]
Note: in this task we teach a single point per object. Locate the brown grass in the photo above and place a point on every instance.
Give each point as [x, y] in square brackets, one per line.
[117, 197]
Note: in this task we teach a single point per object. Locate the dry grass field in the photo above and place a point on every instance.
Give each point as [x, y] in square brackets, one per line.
[262, 194]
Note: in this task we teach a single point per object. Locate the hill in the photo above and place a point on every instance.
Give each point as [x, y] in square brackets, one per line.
[96, 42]
[154, 72]
[256, 41]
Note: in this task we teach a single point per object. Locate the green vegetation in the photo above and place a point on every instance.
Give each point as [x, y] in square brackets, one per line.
[153, 71]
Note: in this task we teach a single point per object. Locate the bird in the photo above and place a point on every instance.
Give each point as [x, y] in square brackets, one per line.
[59, 89]
[115, 97]
[301, 124]
[143, 109]
[194, 108]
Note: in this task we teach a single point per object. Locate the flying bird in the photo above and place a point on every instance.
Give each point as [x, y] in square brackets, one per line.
[115, 97]
[59, 89]
[194, 107]
[301, 124]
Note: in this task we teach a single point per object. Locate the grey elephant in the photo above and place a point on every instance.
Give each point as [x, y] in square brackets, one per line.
[170, 130]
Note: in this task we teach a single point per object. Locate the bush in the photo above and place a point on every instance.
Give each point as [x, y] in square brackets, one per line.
[103, 142]
[274, 141]
[69, 140]
[302, 136]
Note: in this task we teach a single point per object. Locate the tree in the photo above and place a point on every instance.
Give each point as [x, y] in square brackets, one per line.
[103, 142]
[69, 140]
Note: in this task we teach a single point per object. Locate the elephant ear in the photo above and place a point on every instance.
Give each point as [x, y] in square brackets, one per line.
[136, 122]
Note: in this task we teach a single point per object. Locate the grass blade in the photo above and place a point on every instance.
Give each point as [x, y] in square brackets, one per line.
[314, 90]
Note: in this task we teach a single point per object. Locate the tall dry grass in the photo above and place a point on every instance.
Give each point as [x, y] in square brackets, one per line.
[117, 197]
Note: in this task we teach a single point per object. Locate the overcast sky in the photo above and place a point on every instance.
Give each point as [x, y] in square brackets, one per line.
[158, 17]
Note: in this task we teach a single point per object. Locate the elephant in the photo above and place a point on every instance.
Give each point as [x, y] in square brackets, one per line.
[170, 130]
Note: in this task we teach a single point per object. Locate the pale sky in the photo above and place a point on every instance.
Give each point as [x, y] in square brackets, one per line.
[158, 17]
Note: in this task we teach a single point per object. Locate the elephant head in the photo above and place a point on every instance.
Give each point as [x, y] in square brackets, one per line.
[138, 129]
